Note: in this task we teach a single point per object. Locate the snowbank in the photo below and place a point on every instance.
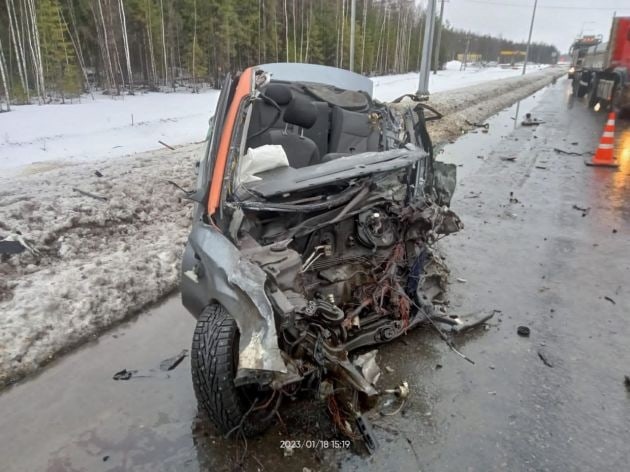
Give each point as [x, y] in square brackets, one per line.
[106, 127]
[453, 65]
[101, 261]
[393, 86]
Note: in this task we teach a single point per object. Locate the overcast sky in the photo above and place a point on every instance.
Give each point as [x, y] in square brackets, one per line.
[557, 21]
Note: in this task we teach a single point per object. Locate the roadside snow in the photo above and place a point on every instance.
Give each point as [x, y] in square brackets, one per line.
[393, 86]
[98, 261]
[101, 261]
[102, 128]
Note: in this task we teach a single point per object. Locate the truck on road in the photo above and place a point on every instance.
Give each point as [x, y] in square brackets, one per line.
[578, 51]
[603, 72]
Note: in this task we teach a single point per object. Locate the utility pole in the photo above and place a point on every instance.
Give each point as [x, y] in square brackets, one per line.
[529, 39]
[353, 12]
[427, 46]
[436, 60]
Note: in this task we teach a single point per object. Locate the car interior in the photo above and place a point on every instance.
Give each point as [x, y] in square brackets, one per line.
[314, 123]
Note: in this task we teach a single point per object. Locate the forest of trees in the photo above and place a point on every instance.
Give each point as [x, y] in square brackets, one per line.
[54, 49]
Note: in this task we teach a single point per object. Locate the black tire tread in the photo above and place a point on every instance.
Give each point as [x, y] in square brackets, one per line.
[212, 365]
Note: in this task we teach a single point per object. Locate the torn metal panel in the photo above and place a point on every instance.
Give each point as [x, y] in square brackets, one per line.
[287, 179]
[225, 276]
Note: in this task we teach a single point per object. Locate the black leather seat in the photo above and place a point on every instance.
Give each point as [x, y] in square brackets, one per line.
[301, 151]
[352, 132]
[321, 128]
[265, 116]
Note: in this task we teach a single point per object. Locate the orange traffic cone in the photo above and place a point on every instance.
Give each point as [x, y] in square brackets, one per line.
[605, 154]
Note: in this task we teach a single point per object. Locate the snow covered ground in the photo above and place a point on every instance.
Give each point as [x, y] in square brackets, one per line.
[119, 126]
[102, 128]
[389, 87]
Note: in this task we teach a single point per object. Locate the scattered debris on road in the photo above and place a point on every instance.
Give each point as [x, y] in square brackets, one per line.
[543, 358]
[172, 362]
[478, 125]
[98, 174]
[124, 374]
[402, 392]
[513, 199]
[570, 153]
[584, 210]
[523, 331]
[529, 121]
[626, 381]
[508, 158]
[610, 300]
[369, 368]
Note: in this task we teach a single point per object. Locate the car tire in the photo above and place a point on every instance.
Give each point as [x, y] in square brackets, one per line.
[214, 361]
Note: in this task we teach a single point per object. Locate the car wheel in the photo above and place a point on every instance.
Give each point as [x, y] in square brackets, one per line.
[214, 361]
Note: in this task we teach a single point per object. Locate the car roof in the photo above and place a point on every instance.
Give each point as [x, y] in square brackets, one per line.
[314, 73]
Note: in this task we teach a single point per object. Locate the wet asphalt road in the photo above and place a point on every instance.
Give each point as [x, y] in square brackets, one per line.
[536, 260]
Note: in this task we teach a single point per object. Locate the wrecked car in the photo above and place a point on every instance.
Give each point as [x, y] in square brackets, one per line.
[316, 210]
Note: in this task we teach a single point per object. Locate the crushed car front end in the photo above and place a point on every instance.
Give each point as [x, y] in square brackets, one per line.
[317, 209]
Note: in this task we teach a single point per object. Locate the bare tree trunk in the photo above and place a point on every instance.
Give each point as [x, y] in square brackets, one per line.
[409, 35]
[294, 36]
[302, 33]
[338, 30]
[264, 29]
[309, 21]
[35, 48]
[275, 33]
[3, 76]
[380, 41]
[18, 46]
[123, 20]
[174, 43]
[76, 44]
[23, 34]
[164, 44]
[386, 57]
[110, 70]
[150, 40]
[397, 50]
[286, 29]
[343, 22]
[117, 63]
[260, 40]
[194, 51]
[365, 5]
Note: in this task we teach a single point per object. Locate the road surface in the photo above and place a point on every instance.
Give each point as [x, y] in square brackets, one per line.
[555, 400]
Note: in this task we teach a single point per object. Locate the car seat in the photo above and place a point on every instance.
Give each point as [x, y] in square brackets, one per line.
[301, 151]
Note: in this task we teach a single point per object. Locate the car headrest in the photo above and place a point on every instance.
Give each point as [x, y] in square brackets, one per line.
[281, 94]
[301, 112]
